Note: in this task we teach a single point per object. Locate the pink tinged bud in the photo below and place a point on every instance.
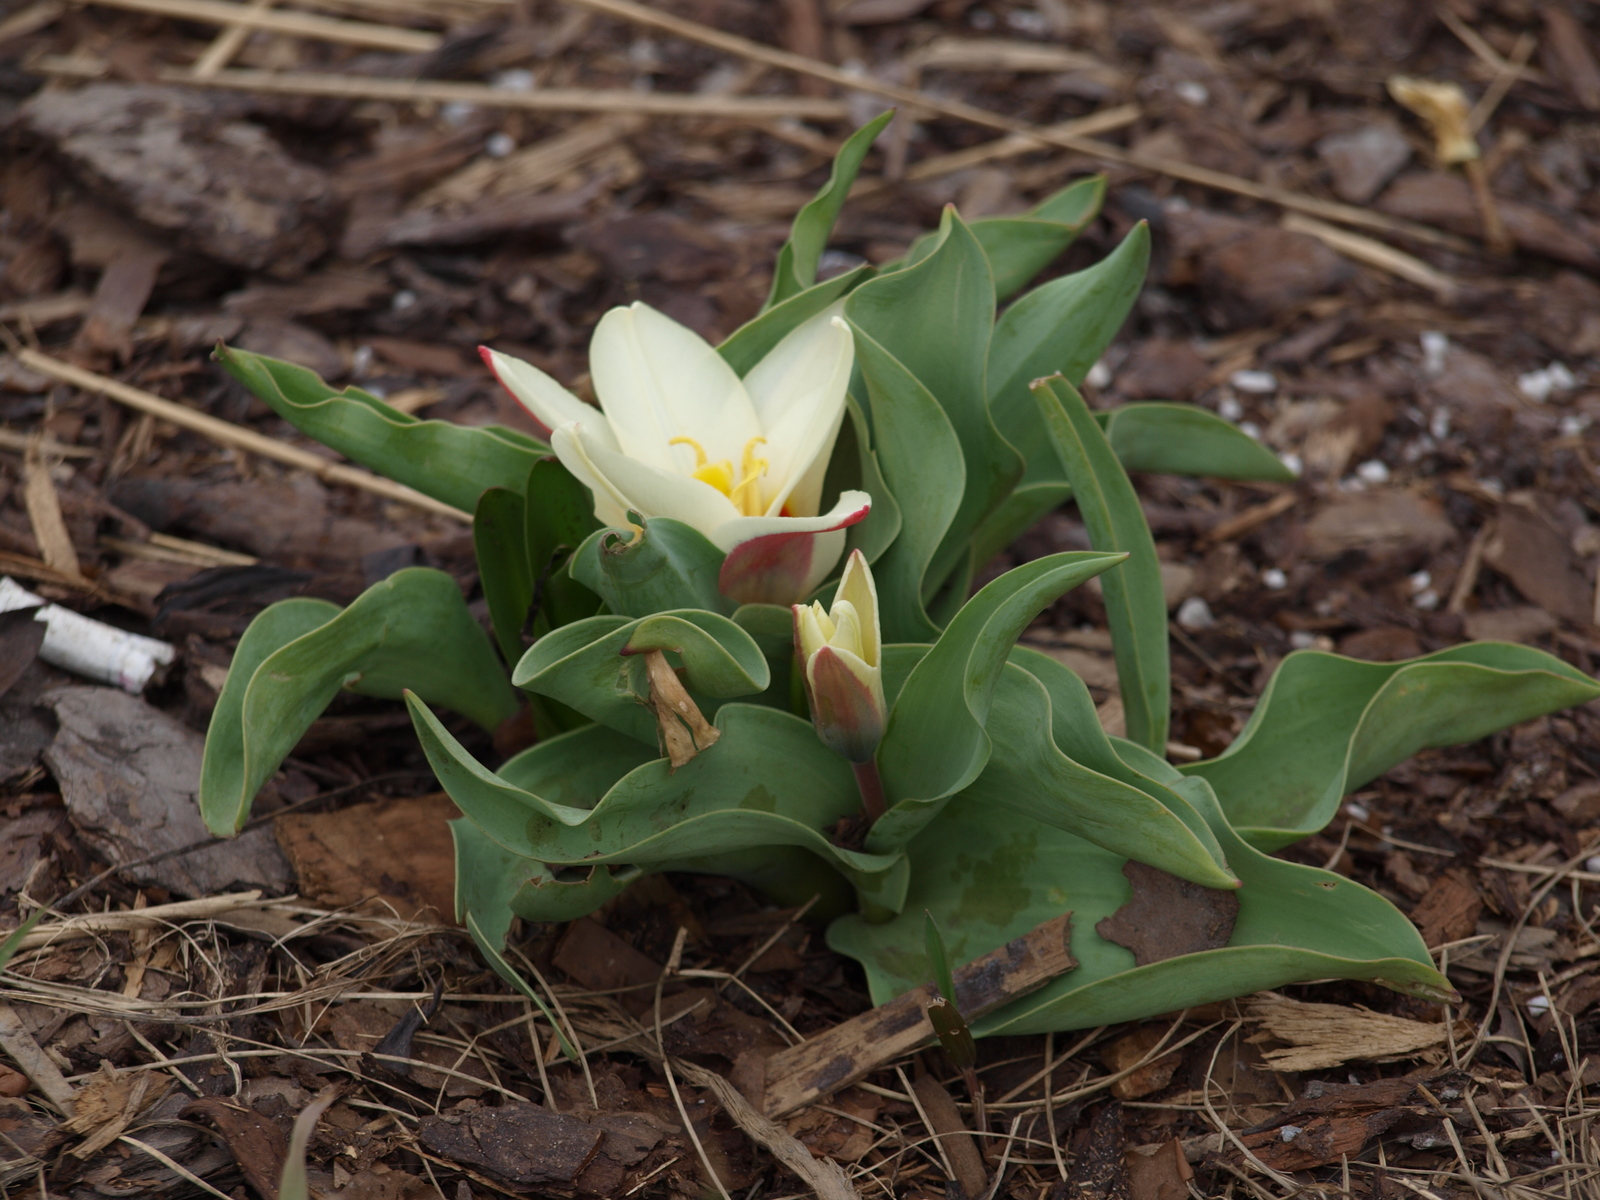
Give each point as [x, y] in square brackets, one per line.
[847, 705]
[839, 651]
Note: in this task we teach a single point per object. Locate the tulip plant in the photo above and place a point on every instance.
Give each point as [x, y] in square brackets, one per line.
[736, 602]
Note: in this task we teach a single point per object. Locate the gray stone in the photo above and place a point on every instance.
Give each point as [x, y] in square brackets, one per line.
[129, 775]
[1363, 160]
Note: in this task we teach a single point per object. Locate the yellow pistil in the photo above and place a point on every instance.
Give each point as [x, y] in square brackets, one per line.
[742, 491]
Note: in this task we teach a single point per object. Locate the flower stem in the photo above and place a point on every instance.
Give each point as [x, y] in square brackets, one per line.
[871, 785]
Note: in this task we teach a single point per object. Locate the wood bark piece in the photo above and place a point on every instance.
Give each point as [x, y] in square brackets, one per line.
[129, 774]
[952, 1133]
[189, 165]
[806, 1073]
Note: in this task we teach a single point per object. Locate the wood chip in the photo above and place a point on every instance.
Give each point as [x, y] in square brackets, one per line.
[1321, 1036]
[44, 514]
[838, 1057]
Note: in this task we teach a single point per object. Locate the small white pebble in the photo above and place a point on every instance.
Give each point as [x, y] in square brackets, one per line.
[1302, 639]
[498, 145]
[1374, 471]
[1493, 486]
[1250, 429]
[1274, 579]
[1439, 424]
[1427, 600]
[1026, 20]
[1435, 346]
[1292, 461]
[378, 390]
[1099, 375]
[1358, 810]
[981, 19]
[1257, 383]
[1191, 92]
[1289, 1132]
[457, 112]
[403, 299]
[361, 361]
[1229, 408]
[1573, 424]
[1592, 864]
[1352, 483]
[1540, 385]
[1421, 581]
[1537, 1006]
[1195, 613]
[517, 79]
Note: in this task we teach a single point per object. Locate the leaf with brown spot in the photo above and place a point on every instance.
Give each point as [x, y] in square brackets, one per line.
[1169, 916]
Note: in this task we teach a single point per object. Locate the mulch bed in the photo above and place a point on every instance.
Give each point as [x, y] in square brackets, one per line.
[1437, 379]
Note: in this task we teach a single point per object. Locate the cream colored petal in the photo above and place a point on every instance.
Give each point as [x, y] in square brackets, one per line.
[572, 443]
[852, 507]
[847, 627]
[858, 589]
[809, 629]
[549, 403]
[798, 391]
[653, 492]
[657, 380]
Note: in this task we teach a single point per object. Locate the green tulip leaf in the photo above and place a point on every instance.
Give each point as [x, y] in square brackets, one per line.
[755, 339]
[860, 469]
[451, 463]
[920, 457]
[935, 319]
[1062, 327]
[727, 800]
[935, 742]
[796, 269]
[989, 876]
[1184, 439]
[1326, 725]
[1019, 247]
[413, 630]
[558, 518]
[1136, 608]
[1029, 772]
[664, 565]
[593, 665]
[500, 543]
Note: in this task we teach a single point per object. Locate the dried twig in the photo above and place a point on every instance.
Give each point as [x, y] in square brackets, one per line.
[1347, 214]
[228, 434]
[306, 25]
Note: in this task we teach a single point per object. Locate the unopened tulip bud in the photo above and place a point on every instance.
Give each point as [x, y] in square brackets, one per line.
[841, 654]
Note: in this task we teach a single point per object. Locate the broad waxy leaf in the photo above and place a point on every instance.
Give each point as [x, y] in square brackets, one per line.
[1326, 725]
[664, 565]
[753, 340]
[1029, 773]
[1062, 327]
[1185, 439]
[412, 630]
[920, 458]
[1136, 608]
[934, 319]
[499, 541]
[989, 876]
[452, 463]
[936, 743]
[727, 800]
[1019, 247]
[593, 665]
[558, 518]
[855, 465]
[796, 269]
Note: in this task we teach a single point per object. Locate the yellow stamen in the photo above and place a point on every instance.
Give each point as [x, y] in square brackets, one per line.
[742, 491]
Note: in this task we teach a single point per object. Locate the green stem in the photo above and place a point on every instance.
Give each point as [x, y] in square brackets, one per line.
[871, 785]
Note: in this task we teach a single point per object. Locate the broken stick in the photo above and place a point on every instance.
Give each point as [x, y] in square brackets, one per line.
[806, 1073]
